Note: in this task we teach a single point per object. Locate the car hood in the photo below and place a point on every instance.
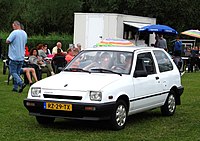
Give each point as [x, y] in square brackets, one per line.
[77, 81]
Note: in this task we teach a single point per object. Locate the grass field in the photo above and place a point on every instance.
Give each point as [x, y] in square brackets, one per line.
[17, 125]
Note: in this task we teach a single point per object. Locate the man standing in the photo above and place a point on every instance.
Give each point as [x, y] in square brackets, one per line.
[162, 43]
[177, 52]
[58, 46]
[17, 41]
[177, 47]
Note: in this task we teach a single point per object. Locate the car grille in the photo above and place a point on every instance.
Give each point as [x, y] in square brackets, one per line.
[62, 97]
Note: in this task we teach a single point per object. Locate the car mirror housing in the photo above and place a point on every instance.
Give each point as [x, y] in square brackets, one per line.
[140, 73]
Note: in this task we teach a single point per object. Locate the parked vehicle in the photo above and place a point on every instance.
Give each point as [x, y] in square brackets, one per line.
[108, 83]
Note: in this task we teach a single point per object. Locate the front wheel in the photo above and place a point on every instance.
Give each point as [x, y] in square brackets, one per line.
[169, 107]
[45, 120]
[119, 115]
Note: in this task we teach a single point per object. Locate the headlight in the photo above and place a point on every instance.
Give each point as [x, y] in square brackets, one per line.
[95, 96]
[35, 92]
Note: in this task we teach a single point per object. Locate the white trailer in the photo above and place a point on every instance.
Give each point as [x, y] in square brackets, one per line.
[91, 28]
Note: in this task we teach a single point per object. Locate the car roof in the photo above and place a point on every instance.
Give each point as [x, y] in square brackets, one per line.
[123, 48]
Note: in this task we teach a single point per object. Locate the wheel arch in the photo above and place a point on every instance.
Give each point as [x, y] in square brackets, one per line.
[125, 99]
[177, 96]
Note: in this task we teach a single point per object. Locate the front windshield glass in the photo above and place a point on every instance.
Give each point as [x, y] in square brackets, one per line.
[102, 62]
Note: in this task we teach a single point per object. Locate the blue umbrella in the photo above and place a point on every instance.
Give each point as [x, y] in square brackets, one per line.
[157, 28]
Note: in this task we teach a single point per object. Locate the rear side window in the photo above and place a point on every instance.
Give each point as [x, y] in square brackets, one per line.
[164, 62]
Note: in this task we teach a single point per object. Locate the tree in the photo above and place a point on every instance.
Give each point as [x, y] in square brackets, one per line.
[50, 16]
[179, 14]
[46, 16]
[5, 15]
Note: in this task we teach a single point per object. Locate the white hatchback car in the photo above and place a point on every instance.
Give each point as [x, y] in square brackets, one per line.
[108, 83]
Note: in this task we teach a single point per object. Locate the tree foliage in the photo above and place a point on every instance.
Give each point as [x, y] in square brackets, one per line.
[180, 14]
[46, 16]
[40, 17]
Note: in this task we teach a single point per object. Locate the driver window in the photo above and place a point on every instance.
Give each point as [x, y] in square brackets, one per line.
[148, 62]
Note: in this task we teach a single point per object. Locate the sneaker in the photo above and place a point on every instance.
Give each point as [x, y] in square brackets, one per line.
[22, 87]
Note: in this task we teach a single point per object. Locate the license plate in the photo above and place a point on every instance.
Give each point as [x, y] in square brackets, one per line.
[57, 106]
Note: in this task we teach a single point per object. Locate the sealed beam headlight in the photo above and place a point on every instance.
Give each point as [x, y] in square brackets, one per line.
[36, 92]
[95, 95]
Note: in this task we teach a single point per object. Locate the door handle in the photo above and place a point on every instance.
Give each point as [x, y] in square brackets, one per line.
[157, 77]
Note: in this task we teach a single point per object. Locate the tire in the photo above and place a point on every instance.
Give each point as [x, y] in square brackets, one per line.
[169, 108]
[45, 120]
[119, 115]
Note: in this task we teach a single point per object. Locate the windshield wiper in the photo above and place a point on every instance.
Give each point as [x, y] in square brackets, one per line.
[105, 70]
[77, 70]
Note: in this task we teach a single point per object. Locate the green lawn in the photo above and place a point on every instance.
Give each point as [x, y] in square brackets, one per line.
[17, 125]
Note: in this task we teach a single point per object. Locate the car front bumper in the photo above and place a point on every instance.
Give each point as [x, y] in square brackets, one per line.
[81, 111]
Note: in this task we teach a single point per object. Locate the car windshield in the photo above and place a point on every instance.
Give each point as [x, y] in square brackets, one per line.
[102, 61]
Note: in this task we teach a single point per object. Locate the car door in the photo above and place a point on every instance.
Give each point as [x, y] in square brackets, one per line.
[147, 89]
[167, 71]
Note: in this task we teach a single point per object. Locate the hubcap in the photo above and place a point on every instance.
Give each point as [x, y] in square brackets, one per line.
[171, 103]
[121, 115]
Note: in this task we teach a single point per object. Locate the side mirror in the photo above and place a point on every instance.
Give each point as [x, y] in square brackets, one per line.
[140, 73]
